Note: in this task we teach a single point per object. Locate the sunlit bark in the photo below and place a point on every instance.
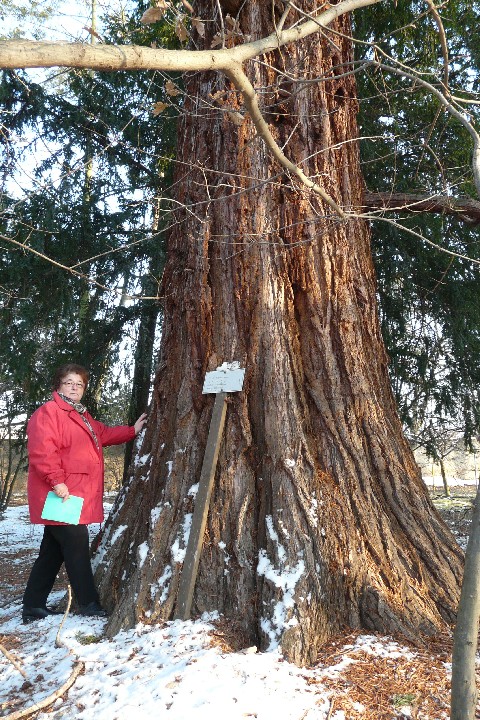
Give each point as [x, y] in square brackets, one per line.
[319, 517]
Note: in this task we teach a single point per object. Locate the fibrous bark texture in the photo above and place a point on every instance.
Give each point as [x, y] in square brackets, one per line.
[319, 517]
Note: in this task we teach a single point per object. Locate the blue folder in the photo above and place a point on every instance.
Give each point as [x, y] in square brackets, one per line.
[67, 511]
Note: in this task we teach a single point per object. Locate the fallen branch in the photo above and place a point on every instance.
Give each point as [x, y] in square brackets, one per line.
[79, 666]
[14, 662]
[77, 669]
[330, 709]
[58, 641]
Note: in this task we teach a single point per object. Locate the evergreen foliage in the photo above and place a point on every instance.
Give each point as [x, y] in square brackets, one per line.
[429, 301]
[85, 166]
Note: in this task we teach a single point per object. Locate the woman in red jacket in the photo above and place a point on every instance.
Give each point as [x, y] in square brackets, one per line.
[65, 455]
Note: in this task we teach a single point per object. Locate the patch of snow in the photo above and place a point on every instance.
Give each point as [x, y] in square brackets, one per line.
[144, 460]
[226, 557]
[155, 514]
[285, 578]
[272, 533]
[313, 511]
[178, 553]
[121, 529]
[163, 584]
[142, 552]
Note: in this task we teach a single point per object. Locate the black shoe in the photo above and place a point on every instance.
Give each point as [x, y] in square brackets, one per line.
[93, 609]
[30, 614]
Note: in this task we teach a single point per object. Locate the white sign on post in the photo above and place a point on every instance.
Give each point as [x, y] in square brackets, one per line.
[226, 378]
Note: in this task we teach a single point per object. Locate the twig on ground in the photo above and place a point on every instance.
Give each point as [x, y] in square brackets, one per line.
[50, 698]
[77, 669]
[15, 663]
[58, 641]
[330, 709]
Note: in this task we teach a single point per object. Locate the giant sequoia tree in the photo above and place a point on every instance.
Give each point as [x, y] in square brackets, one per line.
[319, 517]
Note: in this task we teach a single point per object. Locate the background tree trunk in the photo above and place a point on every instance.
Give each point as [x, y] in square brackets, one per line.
[143, 356]
[143, 364]
[319, 517]
[465, 638]
[446, 489]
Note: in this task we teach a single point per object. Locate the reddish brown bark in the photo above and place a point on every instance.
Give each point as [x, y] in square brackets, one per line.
[319, 517]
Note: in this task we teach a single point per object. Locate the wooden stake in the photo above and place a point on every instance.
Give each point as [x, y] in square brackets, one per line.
[200, 513]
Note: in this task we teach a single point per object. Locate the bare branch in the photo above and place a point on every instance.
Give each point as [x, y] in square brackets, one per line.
[15, 663]
[443, 39]
[222, 26]
[15, 54]
[30, 53]
[78, 668]
[443, 42]
[242, 83]
[460, 116]
[88, 279]
[391, 221]
[465, 209]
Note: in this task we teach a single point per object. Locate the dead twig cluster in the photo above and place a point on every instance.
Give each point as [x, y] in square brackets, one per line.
[79, 667]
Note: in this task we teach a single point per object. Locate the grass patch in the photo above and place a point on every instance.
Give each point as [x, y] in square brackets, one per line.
[87, 639]
[454, 502]
[403, 700]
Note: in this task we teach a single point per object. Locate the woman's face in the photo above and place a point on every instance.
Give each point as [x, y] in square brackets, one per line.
[72, 386]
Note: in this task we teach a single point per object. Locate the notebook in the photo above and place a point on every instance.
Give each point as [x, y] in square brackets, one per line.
[67, 512]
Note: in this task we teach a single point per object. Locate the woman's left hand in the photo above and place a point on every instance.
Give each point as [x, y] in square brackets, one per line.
[140, 423]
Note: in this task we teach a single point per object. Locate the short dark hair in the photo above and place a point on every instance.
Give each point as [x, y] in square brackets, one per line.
[65, 370]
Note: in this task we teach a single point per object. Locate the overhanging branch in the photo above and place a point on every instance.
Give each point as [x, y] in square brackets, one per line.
[16, 54]
[243, 84]
[465, 209]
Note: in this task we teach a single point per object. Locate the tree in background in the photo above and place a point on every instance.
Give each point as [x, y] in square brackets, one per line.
[96, 172]
[12, 446]
[429, 300]
[440, 439]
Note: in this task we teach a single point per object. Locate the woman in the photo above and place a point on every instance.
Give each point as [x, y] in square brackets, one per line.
[65, 455]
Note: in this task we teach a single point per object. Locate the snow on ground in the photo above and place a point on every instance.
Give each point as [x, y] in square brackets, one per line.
[175, 667]
[151, 670]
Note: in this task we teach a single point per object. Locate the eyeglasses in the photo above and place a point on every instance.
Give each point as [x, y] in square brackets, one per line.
[71, 384]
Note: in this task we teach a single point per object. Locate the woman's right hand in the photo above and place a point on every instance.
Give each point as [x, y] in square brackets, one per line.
[140, 423]
[61, 490]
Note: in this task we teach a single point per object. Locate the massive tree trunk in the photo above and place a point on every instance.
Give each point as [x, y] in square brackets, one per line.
[319, 517]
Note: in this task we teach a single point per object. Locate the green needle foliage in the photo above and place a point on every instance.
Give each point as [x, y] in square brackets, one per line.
[429, 300]
[84, 176]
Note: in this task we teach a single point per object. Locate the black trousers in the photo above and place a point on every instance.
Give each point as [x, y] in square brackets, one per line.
[67, 544]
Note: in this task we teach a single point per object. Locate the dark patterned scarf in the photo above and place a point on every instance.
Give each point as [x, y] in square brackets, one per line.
[81, 409]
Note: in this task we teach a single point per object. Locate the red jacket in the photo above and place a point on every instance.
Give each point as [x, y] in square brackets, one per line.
[61, 449]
